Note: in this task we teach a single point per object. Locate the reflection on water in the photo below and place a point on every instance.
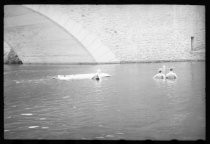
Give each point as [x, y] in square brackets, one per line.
[128, 105]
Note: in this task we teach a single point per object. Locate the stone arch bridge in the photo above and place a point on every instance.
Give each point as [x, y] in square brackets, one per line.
[103, 33]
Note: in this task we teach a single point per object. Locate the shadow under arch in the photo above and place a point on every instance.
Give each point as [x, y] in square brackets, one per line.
[6, 44]
[89, 41]
[41, 14]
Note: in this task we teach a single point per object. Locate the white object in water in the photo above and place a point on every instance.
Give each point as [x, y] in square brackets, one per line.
[45, 127]
[27, 114]
[33, 126]
[6, 130]
[80, 76]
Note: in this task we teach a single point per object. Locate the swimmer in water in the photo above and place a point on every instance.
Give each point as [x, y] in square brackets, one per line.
[96, 76]
[171, 74]
[160, 75]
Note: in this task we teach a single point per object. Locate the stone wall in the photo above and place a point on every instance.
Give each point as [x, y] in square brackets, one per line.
[37, 39]
[135, 32]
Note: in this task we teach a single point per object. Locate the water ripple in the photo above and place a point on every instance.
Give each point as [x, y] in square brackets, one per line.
[119, 133]
[42, 118]
[109, 136]
[104, 110]
[100, 137]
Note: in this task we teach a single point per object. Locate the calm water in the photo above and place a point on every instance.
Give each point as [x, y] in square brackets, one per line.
[129, 105]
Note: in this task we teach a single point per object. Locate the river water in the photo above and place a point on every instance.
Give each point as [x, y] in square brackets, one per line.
[129, 105]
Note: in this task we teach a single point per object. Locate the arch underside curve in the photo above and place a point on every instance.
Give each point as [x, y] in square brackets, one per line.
[90, 41]
[38, 39]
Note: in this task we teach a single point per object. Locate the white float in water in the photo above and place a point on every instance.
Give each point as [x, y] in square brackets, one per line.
[80, 76]
[6, 130]
[27, 114]
[45, 127]
[33, 126]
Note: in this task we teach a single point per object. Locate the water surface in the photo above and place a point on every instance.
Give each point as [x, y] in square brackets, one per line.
[129, 105]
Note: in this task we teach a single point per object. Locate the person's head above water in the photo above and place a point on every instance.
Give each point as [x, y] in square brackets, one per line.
[171, 69]
[160, 71]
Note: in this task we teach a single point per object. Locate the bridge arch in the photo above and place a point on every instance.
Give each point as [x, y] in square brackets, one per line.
[91, 42]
